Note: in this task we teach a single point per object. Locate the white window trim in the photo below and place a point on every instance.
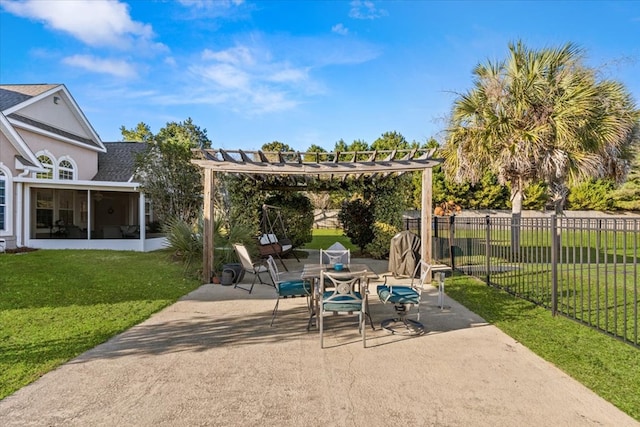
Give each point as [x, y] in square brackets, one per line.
[54, 164]
[8, 215]
[73, 165]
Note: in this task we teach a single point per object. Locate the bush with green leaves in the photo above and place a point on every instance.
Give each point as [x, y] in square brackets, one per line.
[356, 217]
[380, 246]
[593, 195]
[297, 215]
[186, 241]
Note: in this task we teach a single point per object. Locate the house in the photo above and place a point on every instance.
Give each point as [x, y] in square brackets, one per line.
[61, 187]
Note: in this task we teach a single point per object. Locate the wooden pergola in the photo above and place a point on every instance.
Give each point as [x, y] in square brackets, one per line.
[297, 169]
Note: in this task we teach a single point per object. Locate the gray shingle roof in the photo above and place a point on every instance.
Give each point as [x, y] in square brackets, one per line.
[52, 129]
[11, 95]
[118, 163]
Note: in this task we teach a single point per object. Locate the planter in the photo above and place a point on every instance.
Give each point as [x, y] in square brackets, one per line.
[231, 274]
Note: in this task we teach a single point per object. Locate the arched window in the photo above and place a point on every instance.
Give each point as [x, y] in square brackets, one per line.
[4, 186]
[65, 170]
[47, 163]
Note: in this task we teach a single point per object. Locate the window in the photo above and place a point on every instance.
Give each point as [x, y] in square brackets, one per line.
[3, 201]
[65, 207]
[84, 212]
[48, 164]
[65, 170]
[148, 212]
[44, 208]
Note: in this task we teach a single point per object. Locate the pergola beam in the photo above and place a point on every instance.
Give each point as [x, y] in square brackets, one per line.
[341, 168]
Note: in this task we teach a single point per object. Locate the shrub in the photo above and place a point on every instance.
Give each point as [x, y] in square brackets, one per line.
[379, 247]
[592, 195]
[297, 216]
[356, 217]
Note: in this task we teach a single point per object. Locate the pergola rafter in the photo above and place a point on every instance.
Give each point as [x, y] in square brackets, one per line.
[298, 169]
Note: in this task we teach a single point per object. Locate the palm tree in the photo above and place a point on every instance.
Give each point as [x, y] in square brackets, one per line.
[541, 116]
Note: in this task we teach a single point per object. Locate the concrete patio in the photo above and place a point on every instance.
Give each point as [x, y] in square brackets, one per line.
[211, 359]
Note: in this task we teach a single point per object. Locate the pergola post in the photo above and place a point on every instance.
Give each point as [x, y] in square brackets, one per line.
[208, 216]
[425, 217]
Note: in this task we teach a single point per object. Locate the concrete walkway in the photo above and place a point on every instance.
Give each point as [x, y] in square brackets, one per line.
[211, 359]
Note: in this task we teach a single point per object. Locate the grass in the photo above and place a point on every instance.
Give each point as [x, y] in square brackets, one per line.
[325, 237]
[607, 366]
[55, 305]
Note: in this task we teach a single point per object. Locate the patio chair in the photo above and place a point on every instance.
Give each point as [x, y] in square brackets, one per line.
[287, 288]
[333, 256]
[404, 297]
[249, 266]
[342, 298]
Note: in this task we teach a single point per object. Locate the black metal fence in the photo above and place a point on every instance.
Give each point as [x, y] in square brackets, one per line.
[583, 268]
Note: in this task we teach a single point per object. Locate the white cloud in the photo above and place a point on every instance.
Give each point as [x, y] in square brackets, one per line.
[365, 9]
[340, 29]
[225, 76]
[287, 75]
[239, 55]
[248, 80]
[116, 68]
[267, 101]
[206, 4]
[94, 22]
[214, 8]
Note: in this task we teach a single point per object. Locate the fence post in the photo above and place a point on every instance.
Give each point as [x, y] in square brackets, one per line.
[435, 226]
[487, 250]
[554, 264]
[452, 255]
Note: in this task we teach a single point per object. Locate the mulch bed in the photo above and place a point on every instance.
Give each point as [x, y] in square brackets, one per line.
[20, 250]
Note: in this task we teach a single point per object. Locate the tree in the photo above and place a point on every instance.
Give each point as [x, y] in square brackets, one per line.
[540, 116]
[628, 195]
[312, 157]
[166, 173]
[280, 147]
[141, 133]
[356, 145]
[391, 141]
[186, 133]
[357, 220]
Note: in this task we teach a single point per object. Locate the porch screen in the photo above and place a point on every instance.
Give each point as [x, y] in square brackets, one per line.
[44, 208]
[3, 201]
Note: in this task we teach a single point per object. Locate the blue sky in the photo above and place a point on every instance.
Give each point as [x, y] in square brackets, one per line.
[299, 72]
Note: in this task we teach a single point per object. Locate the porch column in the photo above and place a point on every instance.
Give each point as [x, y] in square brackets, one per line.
[89, 215]
[21, 214]
[142, 217]
[207, 238]
[426, 217]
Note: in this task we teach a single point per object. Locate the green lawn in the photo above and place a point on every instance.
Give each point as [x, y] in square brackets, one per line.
[325, 237]
[55, 305]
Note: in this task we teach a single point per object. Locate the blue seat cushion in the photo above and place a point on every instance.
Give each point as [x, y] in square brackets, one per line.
[294, 288]
[398, 294]
[341, 302]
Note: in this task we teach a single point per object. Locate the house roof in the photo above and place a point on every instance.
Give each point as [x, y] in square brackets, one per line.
[118, 163]
[25, 157]
[48, 128]
[15, 97]
[12, 95]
